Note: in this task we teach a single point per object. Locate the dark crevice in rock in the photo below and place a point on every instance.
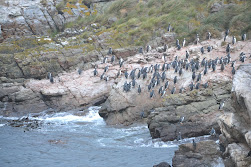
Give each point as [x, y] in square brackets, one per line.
[20, 69]
[22, 12]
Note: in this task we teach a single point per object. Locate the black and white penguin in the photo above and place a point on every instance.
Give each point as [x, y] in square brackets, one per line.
[166, 84]
[177, 42]
[173, 90]
[243, 37]
[187, 54]
[49, 75]
[178, 47]
[141, 50]
[221, 105]
[79, 71]
[208, 35]
[95, 72]
[112, 59]
[152, 94]
[169, 28]
[182, 119]
[139, 89]
[197, 39]
[107, 78]
[160, 89]
[209, 48]
[102, 76]
[191, 86]
[205, 85]
[163, 92]
[184, 42]
[180, 71]
[222, 67]
[181, 90]
[205, 70]
[202, 50]
[212, 132]
[233, 71]
[51, 79]
[106, 69]
[126, 74]
[228, 48]
[197, 86]
[119, 73]
[148, 48]
[175, 80]
[105, 60]
[199, 77]
[110, 51]
[233, 40]
[179, 137]
[165, 47]
[193, 75]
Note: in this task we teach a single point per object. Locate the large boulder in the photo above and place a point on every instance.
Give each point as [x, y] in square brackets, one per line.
[206, 153]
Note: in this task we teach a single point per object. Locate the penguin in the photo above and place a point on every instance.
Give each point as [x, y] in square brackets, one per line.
[144, 75]
[105, 60]
[209, 35]
[179, 137]
[177, 42]
[163, 76]
[212, 132]
[228, 48]
[142, 115]
[120, 61]
[205, 85]
[243, 37]
[110, 51]
[180, 71]
[221, 105]
[112, 59]
[184, 42]
[205, 70]
[199, 77]
[152, 94]
[165, 47]
[119, 73]
[233, 63]
[173, 90]
[95, 72]
[148, 48]
[163, 67]
[163, 92]
[106, 69]
[197, 86]
[133, 83]
[202, 50]
[126, 74]
[107, 78]
[166, 84]
[222, 67]
[102, 76]
[193, 75]
[181, 90]
[79, 71]
[182, 119]
[169, 28]
[141, 50]
[187, 54]
[49, 75]
[227, 32]
[197, 39]
[214, 67]
[51, 79]
[178, 47]
[139, 89]
[194, 145]
[160, 89]
[139, 73]
[209, 48]
[233, 71]
[191, 86]
[233, 40]
[175, 80]
[149, 86]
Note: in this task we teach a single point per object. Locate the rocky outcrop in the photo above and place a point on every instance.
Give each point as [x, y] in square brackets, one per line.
[235, 126]
[200, 109]
[162, 164]
[41, 17]
[205, 153]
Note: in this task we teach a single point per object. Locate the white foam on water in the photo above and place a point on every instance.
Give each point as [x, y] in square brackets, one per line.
[65, 118]
[2, 125]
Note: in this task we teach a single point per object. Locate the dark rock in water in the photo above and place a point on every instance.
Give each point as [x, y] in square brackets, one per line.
[162, 164]
[206, 154]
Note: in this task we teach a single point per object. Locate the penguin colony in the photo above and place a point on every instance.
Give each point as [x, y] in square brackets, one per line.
[157, 82]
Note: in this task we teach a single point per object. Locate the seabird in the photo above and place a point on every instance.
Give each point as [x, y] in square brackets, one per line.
[148, 48]
[233, 71]
[173, 90]
[112, 59]
[212, 132]
[177, 42]
[79, 71]
[184, 42]
[222, 67]
[191, 86]
[126, 74]
[166, 84]
[106, 69]
[181, 120]
[243, 37]
[208, 35]
[179, 137]
[141, 50]
[228, 48]
[139, 89]
[105, 60]
[95, 71]
[152, 94]
[233, 40]
[221, 105]
[142, 115]
[169, 28]
[197, 86]
[197, 39]
[175, 80]
[110, 51]
[187, 54]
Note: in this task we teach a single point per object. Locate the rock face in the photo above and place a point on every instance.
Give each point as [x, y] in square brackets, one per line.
[235, 126]
[206, 153]
[40, 17]
[199, 109]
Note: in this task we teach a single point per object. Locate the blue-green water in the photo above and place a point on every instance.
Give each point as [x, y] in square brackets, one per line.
[67, 139]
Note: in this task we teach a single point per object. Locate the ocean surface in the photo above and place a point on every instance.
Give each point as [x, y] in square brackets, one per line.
[80, 139]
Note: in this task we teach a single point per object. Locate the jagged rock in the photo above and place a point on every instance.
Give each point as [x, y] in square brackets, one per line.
[162, 164]
[205, 154]
[235, 126]
[216, 7]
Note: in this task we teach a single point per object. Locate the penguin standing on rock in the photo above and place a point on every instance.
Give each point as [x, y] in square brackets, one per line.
[184, 42]
[148, 48]
[177, 42]
[243, 37]
[110, 51]
[209, 35]
[141, 50]
[173, 90]
[139, 89]
[197, 39]
[95, 71]
[233, 71]
[202, 50]
[212, 132]
[152, 94]
[228, 48]
[233, 40]
[221, 105]
[187, 54]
